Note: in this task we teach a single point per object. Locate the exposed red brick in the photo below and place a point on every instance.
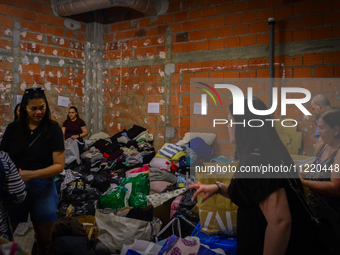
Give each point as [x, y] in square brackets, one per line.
[331, 57]
[216, 21]
[232, 19]
[247, 40]
[331, 18]
[195, 35]
[209, 33]
[322, 33]
[202, 23]
[46, 8]
[312, 21]
[322, 6]
[182, 16]
[302, 72]
[195, 14]
[223, 9]
[35, 6]
[323, 72]
[216, 44]
[248, 17]
[6, 21]
[241, 6]
[240, 29]
[259, 27]
[209, 11]
[312, 59]
[224, 31]
[14, 12]
[284, 12]
[188, 26]
[29, 15]
[231, 42]
[302, 35]
[35, 27]
[202, 45]
[188, 47]
[3, 9]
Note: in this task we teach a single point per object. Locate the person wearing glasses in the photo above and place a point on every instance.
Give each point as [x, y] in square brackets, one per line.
[35, 144]
[74, 127]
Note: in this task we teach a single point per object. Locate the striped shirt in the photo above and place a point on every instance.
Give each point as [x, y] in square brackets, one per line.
[12, 189]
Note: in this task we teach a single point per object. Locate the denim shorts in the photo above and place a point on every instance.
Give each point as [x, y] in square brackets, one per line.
[41, 202]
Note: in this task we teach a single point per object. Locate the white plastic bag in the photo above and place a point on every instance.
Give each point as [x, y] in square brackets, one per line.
[143, 247]
[71, 151]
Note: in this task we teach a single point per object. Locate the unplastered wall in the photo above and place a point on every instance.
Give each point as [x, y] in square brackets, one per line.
[38, 49]
[152, 59]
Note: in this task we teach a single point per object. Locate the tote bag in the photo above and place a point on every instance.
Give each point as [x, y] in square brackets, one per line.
[115, 231]
[71, 151]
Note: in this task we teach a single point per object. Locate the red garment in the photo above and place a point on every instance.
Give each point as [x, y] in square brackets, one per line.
[142, 169]
[73, 127]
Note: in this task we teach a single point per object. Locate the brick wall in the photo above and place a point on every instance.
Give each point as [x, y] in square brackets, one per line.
[216, 39]
[39, 49]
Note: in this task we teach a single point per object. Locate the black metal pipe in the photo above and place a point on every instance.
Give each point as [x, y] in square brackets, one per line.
[271, 22]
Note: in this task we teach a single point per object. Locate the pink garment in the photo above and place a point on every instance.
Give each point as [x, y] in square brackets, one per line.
[182, 246]
[142, 169]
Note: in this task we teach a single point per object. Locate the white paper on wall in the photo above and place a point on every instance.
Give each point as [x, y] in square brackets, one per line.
[19, 98]
[63, 101]
[153, 107]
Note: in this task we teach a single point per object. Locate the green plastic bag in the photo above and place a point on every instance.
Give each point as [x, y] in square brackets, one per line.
[115, 199]
[140, 189]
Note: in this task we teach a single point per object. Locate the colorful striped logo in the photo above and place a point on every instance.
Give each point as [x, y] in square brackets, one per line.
[204, 97]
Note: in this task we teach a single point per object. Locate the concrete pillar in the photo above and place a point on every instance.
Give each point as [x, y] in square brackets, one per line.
[94, 64]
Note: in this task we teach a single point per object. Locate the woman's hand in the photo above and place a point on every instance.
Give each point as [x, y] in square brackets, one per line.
[74, 137]
[208, 190]
[26, 175]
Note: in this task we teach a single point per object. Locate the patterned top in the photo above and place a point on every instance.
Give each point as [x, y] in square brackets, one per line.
[12, 189]
[316, 199]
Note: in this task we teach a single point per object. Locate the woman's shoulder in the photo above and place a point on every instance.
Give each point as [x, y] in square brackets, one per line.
[52, 124]
[81, 121]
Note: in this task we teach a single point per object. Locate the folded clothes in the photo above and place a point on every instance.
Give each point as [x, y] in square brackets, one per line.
[170, 150]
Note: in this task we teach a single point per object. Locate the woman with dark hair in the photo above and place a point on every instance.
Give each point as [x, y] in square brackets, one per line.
[16, 112]
[74, 127]
[36, 146]
[324, 183]
[270, 219]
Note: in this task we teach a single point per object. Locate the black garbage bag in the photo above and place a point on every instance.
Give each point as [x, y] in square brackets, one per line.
[186, 200]
[84, 201]
[186, 204]
[100, 181]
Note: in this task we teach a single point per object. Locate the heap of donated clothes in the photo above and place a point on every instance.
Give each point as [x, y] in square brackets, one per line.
[120, 181]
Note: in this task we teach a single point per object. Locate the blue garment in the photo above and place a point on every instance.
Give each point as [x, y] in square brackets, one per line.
[41, 202]
[317, 135]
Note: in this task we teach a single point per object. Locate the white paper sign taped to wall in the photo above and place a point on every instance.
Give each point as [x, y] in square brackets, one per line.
[19, 99]
[63, 101]
[153, 107]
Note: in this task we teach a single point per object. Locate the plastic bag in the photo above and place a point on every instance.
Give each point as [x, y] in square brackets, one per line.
[83, 199]
[71, 151]
[140, 189]
[116, 198]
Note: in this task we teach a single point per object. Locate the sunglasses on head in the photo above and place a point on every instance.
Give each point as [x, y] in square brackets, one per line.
[34, 90]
